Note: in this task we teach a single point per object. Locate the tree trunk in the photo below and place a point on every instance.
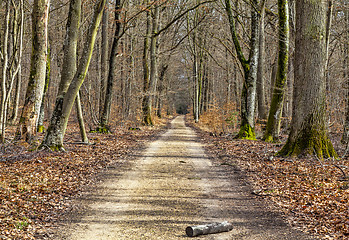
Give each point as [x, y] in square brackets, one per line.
[154, 55]
[55, 132]
[197, 89]
[164, 68]
[80, 117]
[328, 31]
[14, 115]
[308, 135]
[41, 127]
[262, 106]
[276, 106]
[147, 120]
[104, 58]
[32, 103]
[5, 57]
[248, 95]
[345, 136]
[104, 121]
[15, 71]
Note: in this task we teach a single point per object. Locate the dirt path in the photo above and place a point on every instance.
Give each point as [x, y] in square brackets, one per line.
[170, 185]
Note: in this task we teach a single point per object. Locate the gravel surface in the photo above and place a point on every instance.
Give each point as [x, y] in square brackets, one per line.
[170, 185]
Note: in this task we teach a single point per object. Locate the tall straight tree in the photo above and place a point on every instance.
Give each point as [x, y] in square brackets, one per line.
[104, 118]
[58, 124]
[11, 55]
[104, 57]
[345, 137]
[153, 77]
[276, 106]
[250, 65]
[147, 120]
[262, 106]
[32, 103]
[308, 135]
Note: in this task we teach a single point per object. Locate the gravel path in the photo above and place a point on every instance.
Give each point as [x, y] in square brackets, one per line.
[169, 186]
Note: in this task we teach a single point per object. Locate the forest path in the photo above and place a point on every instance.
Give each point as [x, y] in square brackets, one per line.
[170, 185]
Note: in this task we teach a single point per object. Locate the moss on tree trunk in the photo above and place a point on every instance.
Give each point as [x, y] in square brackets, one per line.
[250, 66]
[308, 135]
[246, 132]
[58, 124]
[274, 119]
[309, 142]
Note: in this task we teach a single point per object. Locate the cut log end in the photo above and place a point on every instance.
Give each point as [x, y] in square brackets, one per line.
[193, 231]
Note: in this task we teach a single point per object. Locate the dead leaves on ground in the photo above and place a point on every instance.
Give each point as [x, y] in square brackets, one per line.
[313, 193]
[35, 187]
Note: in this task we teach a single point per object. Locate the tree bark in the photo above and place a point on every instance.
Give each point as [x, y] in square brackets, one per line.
[14, 115]
[56, 130]
[262, 106]
[248, 95]
[276, 106]
[104, 58]
[153, 80]
[308, 135]
[345, 136]
[193, 231]
[15, 73]
[163, 70]
[147, 120]
[3, 107]
[32, 103]
[41, 127]
[104, 121]
[80, 117]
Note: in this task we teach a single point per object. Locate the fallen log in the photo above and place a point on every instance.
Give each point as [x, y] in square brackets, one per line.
[193, 231]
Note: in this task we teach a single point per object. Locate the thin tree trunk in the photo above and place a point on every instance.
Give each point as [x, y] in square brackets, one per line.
[164, 68]
[276, 106]
[80, 117]
[41, 127]
[55, 132]
[328, 31]
[3, 107]
[14, 115]
[308, 135]
[104, 58]
[32, 103]
[248, 95]
[147, 120]
[153, 76]
[15, 73]
[345, 136]
[196, 87]
[104, 121]
[262, 107]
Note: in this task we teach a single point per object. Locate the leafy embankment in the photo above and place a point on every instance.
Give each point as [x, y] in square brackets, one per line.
[314, 194]
[35, 187]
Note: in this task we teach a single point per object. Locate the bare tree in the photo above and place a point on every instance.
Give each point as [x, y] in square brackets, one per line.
[58, 124]
[262, 106]
[345, 136]
[276, 106]
[104, 118]
[32, 103]
[250, 65]
[308, 133]
[11, 56]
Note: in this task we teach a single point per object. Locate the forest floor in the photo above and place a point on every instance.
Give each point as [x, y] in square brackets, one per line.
[37, 187]
[312, 193]
[40, 191]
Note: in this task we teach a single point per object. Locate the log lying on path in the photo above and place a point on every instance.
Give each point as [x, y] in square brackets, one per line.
[193, 231]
